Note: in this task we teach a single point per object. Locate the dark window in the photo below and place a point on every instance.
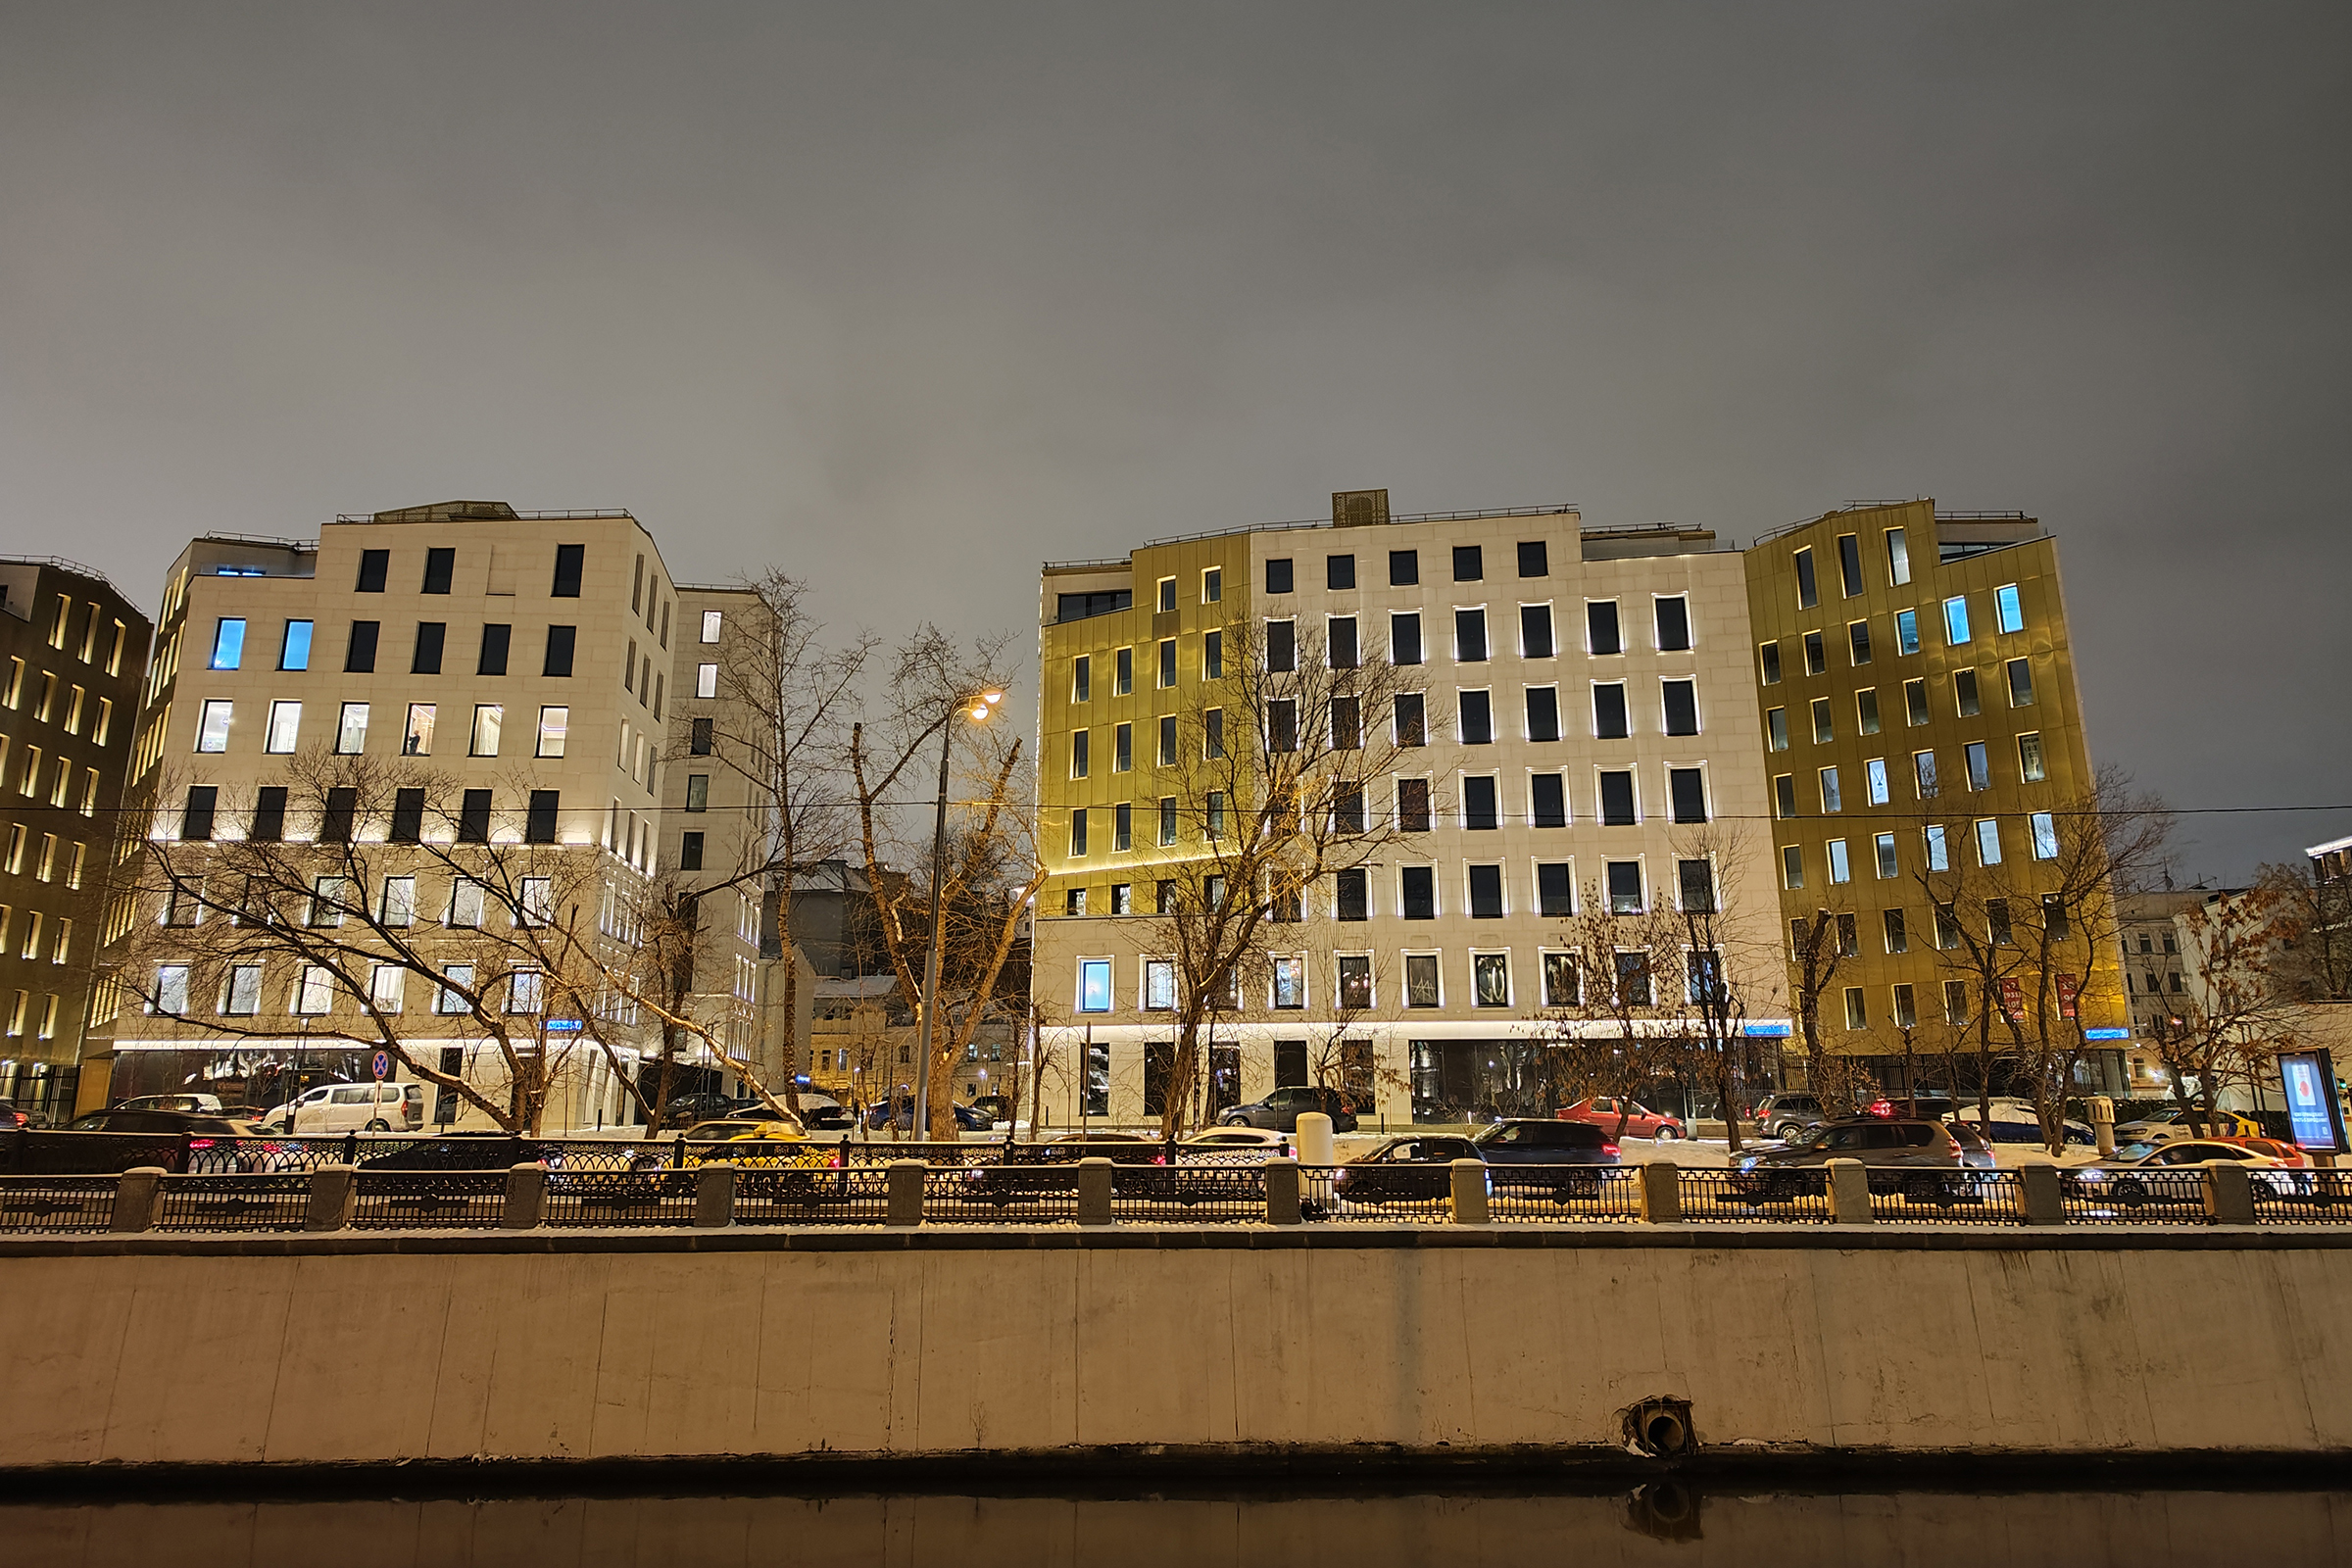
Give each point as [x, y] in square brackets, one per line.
[1609, 712]
[1547, 799]
[1404, 567]
[270, 814]
[1600, 627]
[1278, 576]
[1486, 892]
[374, 567]
[1849, 563]
[1617, 798]
[342, 806]
[1159, 1066]
[1339, 571]
[1282, 725]
[196, 819]
[1543, 713]
[1078, 834]
[1412, 728]
[495, 637]
[1470, 635]
[1478, 720]
[359, 655]
[1534, 558]
[1772, 663]
[1342, 643]
[1405, 639]
[1347, 808]
[1698, 886]
[698, 740]
[1081, 606]
[1468, 564]
[1857, 637]
[1480, 810]
[540, 826]
[1412, 806]
[1625, 887]
[1687, 788]
[1555, 894]
[1282, 646]
[690, 851]
[559, 641]
[569, 558]
[408, 815]
[1535, 630]
[1674, 624]
[1420, 888]
[1682, 707]
[473, 817]
[427, 658]
[1347, 725]
[440, 565]
[1356, 895]
[1808, 593]
[1816, 659]
[1289, 1063]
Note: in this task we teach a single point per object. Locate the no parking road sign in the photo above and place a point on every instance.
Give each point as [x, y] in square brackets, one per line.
[383, 1066]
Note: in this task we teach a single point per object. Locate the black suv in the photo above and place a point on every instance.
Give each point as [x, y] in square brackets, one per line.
[1279, 1111]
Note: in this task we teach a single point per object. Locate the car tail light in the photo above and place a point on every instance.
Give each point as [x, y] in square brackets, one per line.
[1160, 1159]
[1610, 1150]
[200, 1143]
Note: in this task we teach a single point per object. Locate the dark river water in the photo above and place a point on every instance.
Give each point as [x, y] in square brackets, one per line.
[1666, 1523]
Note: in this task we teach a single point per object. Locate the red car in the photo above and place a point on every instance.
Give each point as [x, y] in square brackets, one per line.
[1639, 1120]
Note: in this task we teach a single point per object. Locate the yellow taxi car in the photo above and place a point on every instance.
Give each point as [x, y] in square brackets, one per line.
[771, 1141]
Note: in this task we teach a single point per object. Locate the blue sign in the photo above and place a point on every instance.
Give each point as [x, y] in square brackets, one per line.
[2106, 1034]
[383, 1066]
[1766, 1031]
[2310, 1097]
[562, 1026]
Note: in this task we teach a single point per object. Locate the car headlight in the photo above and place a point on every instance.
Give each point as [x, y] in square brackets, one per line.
[2091, 1175]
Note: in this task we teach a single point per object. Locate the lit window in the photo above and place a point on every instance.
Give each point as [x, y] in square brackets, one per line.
[488, 719]
[1989, 842]
[1884, 845]
[418, 739]
[2029, 758]
[294, 652]
[1840, 869]
[351, 731]
[285, 726]
[1940, 857]
[706, 680]
[1955, 620]
[1874, 772]
[1898, 557]
[212, 730]
[2045, 836]
[710, 625]
[1906, 631]
[228, 644]
[2008, 612]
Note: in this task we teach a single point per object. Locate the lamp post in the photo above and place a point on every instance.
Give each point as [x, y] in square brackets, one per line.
[977, 705]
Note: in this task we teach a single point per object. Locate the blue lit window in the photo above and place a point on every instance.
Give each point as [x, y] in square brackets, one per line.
[1094, 985]
[228, 644]
[1906, 630]
[295, 653]
[2008, 612]
[1955, 620]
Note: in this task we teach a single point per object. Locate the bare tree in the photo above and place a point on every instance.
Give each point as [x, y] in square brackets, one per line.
[1721, 958]
[1618, 998]
[983, 872]
[788, 701]
[1818, 944]
[2314, 917]
[370, 908]
[2224, 1030]
[1267, 800]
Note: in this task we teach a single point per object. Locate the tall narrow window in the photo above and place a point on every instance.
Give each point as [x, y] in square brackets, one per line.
[2045, 835]
[1874, 775]
[1839, 868]
[1808, 591]
[1417, 892]
[1078, 754]
[1167, 820]
[1906, 631]
[1939, 854]
[1922, 773]
[1600, 628]
[1339, 642]
[1282, 646]
[1470, 636]
[351, 733]
[1866, 709]
[1898, 557]
[1412, 806]
[212, 728]
[1817, 658]
[1989, 841]
[1783, 795]
[496, 635]
[416, 738]
[408, 815]
[1555, 889]
[1122, 748]
[1673, 623]
[1822, 733]
[1884, 844]
[1412, 727]
[1857, 642]
[1168, 664]
[196, 818]
[1404, 638]
[2021, 683]
[359, 652]
[554, 724]
[426, 658]
[1481, 807]
[1476, 726]
[1078, 834]
[2008, 611]
[1486, 892]
[1282, 725]
[228, 643]
[1955, 619]
[1610, 721]
[1212, 656]
[1979, 766]
[1964, 693]
[1898, 938]
[2029, 759]
[375, 566]
[1212, 733]
[1535, 631]
[440, 568]
[539, 826]
[561, 641]
[1776, 728]
[1547, 799]
[1617, 797]
[1682, 707]
[1831, 801]
[294, 648]
[1687, 790]
[1212, 585]
[1542, 712]
[1849, 565]
[488, 719]
[1768, 658]
[569, 562]
[1625, 887]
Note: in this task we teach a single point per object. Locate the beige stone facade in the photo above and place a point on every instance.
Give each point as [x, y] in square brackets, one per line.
[1455, 1050]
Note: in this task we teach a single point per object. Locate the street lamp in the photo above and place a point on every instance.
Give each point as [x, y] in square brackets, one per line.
[976, 706]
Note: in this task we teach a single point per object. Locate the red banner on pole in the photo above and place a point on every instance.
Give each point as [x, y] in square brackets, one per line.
[2066, 996]
[2013, 1001]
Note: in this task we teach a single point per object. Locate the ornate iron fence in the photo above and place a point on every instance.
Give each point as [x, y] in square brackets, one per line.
[233, 1202]
[1772, 1196]
[54, 1203]
[402, 1200]
[1556, 1192]
[655, 1196]
[1948, 1198]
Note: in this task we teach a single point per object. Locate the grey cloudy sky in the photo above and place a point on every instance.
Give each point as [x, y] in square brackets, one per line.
[907, 298]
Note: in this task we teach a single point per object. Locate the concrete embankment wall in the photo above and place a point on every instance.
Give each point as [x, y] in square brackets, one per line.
[371, 1349]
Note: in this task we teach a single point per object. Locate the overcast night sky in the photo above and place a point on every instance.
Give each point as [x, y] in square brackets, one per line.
[907, 299]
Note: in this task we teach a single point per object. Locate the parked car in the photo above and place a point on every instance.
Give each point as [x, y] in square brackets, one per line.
[2163, 1173]
[175, 1140]
[2012, 1124]
[766, 1140]
[197, 1104]
[1279, 1111]
[999, 1110]
[684, 1110]
[1412, 1169]
[881, 1114]
[1787, 1113]
[1239, 1140]
[483, 1150]
[1932, 1104]
[1917, 1158]
[2166, 1126]
[1553, 1157]
[11, 1118]
[1606, 1111]
[373, 1107]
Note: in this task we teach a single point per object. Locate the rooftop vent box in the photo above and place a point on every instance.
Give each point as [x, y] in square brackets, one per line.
[1351, 509]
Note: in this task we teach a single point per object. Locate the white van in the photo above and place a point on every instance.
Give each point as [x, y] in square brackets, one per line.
[353, 1109]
